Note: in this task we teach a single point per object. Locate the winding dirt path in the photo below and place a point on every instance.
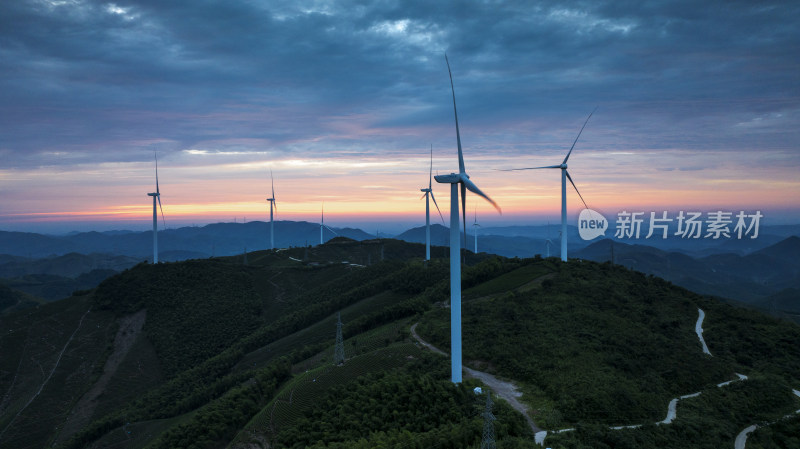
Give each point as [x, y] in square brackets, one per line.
[41, 387]
[503, 389]
[741, 438]
[698, 328]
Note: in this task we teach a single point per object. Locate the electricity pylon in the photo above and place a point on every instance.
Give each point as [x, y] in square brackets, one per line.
[488, 441]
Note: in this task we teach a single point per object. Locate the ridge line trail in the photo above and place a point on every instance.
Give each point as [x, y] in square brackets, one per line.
[505, 390]
[41, 387]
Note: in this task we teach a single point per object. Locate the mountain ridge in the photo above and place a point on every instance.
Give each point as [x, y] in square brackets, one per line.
[603, 332]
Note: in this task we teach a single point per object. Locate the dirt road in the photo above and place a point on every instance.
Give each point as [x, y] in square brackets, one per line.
[506, 390]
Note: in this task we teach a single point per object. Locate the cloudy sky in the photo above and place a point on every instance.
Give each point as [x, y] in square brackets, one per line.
[698, 107]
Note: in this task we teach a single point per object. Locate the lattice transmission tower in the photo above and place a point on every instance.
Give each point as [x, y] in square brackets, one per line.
[488, 441]
[338, 350]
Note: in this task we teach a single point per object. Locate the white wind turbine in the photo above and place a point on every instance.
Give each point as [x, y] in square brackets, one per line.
[429, 193]
[322, 225]
[564, 176]
[548, 243]
[475, 227]
[272, 203]
[156, 196]
[455, 180]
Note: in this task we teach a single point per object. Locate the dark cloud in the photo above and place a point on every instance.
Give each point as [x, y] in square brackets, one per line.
[109, 80]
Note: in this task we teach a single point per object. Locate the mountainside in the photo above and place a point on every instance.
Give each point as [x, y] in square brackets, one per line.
[12, 299]
[239, 352]
[69, 265]
[749, 278]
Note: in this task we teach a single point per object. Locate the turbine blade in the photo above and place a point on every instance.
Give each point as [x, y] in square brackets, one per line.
[164, 221]
[156, 156]
[579, 135]
[437, 206]
[464, 211]
[531, 168]
[474, 189]
[461, 168]
[576, 188]
[430, 173]
[423, 195]
[273, 183]
[328, 228]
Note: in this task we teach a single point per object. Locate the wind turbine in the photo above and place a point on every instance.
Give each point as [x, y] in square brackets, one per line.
[429, 192]
[456, 180]
[475, 227]
[322, 225]
[564, 176]
[156, 196]
[272, 203]
[548, 243]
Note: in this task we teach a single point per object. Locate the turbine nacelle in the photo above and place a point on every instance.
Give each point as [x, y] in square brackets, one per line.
[452, 178]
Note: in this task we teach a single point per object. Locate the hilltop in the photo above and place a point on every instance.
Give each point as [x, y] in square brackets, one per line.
[238, 352]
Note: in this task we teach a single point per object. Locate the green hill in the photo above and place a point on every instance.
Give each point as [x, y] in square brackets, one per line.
[238, 352]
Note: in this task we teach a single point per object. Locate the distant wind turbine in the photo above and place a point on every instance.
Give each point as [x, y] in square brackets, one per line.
[475, 227]
[272, 203]
[429, 192]
[322, 225]
[548, 243]
[455, 180]
[564, 176]
[156, 196]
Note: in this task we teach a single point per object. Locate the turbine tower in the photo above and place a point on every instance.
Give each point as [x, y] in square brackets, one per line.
[564, 176]
[429, 192]
[475, 227]
[322, 225]
[156, 197]
[456, 180]
[272, 203]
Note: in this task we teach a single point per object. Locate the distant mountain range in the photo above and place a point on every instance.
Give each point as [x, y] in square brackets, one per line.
[748, 270]
[225, 239]
[219, 239]
[768, 278]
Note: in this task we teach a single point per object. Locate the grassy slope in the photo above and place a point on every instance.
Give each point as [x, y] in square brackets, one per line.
[592, 345]
[604, 346]
[37, 395]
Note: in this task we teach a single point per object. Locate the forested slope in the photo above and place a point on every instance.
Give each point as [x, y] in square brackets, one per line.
[238, 352]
